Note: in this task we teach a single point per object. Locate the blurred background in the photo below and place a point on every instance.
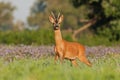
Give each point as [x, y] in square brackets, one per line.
[90, 22]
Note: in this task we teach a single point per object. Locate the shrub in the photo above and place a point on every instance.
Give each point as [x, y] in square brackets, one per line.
[27, 37]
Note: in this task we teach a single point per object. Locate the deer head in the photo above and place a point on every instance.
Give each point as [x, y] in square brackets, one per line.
[56, 20]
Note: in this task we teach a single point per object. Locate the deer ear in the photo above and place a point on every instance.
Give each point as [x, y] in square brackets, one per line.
[51, 19]
[60, 19]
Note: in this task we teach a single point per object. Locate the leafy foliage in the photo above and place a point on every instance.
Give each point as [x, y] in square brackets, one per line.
[46, 37]
[27, 37]
[108, 14]
[40, 18]
[78, 12]
[6, 15]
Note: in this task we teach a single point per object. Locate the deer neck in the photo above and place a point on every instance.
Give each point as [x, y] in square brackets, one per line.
[58, 37]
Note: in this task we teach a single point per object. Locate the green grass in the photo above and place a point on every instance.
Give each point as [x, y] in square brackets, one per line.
[104, 68]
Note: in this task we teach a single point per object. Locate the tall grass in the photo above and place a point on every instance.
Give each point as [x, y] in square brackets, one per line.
[104, 68]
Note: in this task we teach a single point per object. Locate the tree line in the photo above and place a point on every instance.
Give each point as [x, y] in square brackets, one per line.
[96, 17]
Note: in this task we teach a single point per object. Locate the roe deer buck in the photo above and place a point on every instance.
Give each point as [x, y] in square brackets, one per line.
[65, 49]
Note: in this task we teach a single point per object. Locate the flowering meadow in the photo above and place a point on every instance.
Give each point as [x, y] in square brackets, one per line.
[23, 62]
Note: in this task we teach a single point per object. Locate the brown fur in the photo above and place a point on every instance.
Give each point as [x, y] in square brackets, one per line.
[68, 50]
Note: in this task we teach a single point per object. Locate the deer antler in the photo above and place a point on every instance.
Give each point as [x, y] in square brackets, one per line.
[58, 15]
[53, 14]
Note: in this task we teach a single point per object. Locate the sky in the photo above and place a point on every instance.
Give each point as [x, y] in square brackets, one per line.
[23, 9]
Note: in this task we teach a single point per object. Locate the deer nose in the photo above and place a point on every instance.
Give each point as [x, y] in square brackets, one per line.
[57, 25]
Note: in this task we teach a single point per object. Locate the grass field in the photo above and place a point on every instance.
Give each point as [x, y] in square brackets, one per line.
[104, 68]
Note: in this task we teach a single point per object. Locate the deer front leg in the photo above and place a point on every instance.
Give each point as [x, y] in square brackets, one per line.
[59, 54]
[56, 55]
[61, 57]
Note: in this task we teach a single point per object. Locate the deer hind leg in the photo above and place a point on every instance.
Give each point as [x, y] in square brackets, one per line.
[74, 63]
[84, 60]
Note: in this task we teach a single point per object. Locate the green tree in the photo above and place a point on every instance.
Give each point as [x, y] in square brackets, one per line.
[42, 8]
[102, 16]
[107, 14]
[6, 15]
